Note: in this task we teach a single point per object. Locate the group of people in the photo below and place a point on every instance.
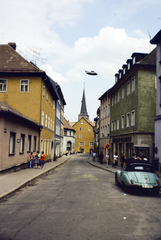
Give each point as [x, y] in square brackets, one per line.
[37, 159]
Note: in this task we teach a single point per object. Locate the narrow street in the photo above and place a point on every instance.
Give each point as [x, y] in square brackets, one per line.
[78, 201]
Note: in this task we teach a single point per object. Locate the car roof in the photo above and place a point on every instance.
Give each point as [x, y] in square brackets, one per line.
[132, 161]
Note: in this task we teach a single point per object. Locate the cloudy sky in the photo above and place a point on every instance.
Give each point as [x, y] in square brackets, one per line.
[67, 37]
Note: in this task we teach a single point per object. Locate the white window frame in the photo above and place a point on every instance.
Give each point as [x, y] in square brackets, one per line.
[46, 119]
[128, 120]
[133, 118]
[43, 90]
[89, 129]
[122, 121]
[29, 143]
[133, 84]
[123, 92]
[24, 85]
[118, 123]
[80, 136]
[42, 119]
[22, 143]
[128, 88]
[3, 85]
[12, 143]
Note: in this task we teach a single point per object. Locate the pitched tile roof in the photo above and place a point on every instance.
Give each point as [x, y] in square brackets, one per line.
[5, 108]
[12, 61]
[67, 125]
[150, 59]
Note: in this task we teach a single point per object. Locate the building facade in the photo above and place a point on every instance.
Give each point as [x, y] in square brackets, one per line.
[132, 112]
[69, 138]
[157, 40]
[104, 124]
[19, 136]
[84, 141]
[29, 90]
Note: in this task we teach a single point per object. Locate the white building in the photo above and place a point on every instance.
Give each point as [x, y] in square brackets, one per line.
[157, 40]
[69, 138]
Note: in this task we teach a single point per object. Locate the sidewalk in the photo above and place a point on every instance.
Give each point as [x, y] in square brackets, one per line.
[13, 181]
[106, 167]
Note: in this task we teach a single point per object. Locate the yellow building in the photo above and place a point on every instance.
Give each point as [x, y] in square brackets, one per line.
[29, 90]
[84, 141]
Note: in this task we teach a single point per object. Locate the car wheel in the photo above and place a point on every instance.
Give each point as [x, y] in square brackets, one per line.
[155, 191]
[125, 188]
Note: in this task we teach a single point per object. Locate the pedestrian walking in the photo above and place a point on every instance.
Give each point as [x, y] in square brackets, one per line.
[42, 160]
[94, 155]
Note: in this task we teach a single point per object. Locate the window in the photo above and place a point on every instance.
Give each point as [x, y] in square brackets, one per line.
[82, 144]
[29, 143]
[49, 98]
[108, 110]
[115, 99]
[82, 122]
[46, 120]
[133, 85]
[91, 144]
[117, 123]
[44, 90]
[48, 147]
[122, 121]
[80, 136]
[114, 124]
[80, 129]
[118, 96]
[24, 86]
[12, 143]
[128, 120]
[123, 92]
[22, 143]
[35, 140]
[53, 125]
[45, 146]
[128, 88]
[42, 120]
[3, 85]
[133, 118]
[89, 129]
[46, 94]
[41, 145]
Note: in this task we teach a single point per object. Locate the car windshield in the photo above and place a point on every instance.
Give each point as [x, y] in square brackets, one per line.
[140, 168]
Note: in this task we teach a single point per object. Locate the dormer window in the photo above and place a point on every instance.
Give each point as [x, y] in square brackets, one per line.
[134, 60]
[116, 78]
[128, 66]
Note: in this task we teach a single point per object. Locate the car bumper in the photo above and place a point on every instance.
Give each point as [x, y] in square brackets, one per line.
[144, 186]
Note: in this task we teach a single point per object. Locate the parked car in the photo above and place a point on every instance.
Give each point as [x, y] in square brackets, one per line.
[138, 174]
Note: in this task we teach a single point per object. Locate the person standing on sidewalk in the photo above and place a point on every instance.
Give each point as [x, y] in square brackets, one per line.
[101, 158]
[31, 160]
[42, 160]
[37, 157]
[115, 160]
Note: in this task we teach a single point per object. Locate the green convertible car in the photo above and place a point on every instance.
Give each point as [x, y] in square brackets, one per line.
[138, 174]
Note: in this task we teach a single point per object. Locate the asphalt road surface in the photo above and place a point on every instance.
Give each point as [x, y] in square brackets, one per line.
[77, 201]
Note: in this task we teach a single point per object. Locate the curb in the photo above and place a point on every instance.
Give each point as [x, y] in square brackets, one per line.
[106, 169]
[3, 195]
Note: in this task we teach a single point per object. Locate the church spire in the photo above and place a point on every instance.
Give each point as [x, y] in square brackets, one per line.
[83, 112]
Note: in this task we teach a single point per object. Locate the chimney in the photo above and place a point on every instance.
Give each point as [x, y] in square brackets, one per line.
[13, 45]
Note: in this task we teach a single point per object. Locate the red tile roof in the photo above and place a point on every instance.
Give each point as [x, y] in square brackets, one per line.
[12, 61]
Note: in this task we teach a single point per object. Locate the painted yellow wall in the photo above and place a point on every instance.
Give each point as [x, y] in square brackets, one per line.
[31, 103]
[87, 136]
